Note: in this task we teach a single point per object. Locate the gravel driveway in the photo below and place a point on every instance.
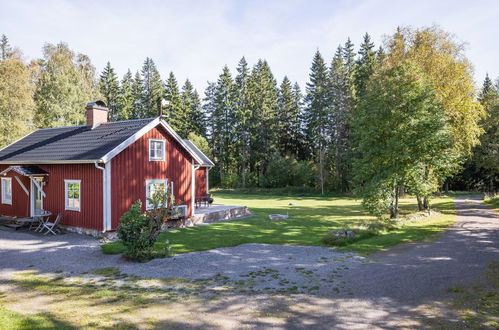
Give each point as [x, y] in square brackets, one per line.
[330, 288]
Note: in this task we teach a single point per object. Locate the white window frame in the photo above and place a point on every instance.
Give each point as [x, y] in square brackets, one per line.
[153, 181]
[155, 158]
[5, 181]
[66, 198]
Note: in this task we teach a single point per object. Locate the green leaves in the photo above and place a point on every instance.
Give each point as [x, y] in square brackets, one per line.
[402, 138]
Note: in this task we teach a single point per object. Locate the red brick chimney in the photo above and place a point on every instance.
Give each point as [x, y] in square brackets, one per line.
[96, 113]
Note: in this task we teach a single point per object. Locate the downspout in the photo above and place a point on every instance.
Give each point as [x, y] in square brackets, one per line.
[104, 196]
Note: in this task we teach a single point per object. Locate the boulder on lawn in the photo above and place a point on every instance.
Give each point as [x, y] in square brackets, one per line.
[278, 216]
[344, 233]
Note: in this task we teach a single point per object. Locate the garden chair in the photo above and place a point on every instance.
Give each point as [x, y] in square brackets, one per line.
[39, 220]
[52, 227]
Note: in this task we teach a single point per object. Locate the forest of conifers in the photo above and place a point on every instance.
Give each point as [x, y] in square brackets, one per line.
[375, 119]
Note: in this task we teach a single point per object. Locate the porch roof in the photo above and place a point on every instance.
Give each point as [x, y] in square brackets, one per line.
[26, 170]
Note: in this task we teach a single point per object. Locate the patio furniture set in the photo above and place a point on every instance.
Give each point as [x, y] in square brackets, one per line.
[203, 200]
[39, 223]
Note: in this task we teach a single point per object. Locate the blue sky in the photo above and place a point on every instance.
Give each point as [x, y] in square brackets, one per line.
[195, 39]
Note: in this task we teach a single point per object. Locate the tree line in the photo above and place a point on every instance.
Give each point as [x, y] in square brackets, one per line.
[403, 116]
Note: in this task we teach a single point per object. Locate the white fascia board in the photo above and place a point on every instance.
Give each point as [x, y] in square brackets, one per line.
[155, 122]
[170, 130]
[123, 145]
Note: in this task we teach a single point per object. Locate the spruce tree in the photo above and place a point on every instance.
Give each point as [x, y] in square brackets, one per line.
[152, 89]
[317, 114]
[262, 100]
[365, 64]
[110, 90]
[174, 111]
[191, 106]
[138, 109]
[222, 125]
[126, 98]
[288, 118]
[242, 119]
[5, 48]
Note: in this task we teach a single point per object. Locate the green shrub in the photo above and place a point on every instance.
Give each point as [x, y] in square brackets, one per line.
[332, 240]
[135, 233]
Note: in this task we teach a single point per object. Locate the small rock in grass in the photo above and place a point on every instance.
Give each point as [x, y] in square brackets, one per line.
[278, 216]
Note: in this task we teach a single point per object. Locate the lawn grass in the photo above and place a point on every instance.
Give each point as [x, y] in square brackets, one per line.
[493, 203]
[309, 220]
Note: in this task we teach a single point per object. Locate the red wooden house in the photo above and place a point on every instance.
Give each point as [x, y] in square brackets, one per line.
[95, 172]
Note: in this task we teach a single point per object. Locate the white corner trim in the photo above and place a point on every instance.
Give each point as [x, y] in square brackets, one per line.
[193, 189]
[108, 201]
[163, 147]
[66, 182]
[106, 196]
[22, 185]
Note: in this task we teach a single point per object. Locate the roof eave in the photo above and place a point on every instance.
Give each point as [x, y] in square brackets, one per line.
[42, 162]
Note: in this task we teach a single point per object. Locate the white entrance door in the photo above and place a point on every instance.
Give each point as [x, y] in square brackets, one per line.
[36, 197]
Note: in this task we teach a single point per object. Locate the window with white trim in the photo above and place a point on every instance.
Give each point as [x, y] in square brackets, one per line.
[7, 191]
[72, 195]
[152, 186]
[156, 150]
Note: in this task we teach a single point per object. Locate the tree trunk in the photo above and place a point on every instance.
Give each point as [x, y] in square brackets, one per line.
[394, 207]
[426, 203]
[446, 186]
[420, 203]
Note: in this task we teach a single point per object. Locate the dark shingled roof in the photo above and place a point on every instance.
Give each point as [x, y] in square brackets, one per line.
[26, 170]
[74, 143]
[199, 153]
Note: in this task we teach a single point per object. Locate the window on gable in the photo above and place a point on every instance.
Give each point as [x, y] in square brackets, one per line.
[7, 191]
[156, 150]
[72, 193]
[153, 186]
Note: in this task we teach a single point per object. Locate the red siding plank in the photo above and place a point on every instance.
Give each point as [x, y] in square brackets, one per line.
[90, 214]
[131, 168]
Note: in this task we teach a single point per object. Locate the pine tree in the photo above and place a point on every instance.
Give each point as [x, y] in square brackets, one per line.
[5, 48]
[174, 111]
[262, 101]
[317, 114]
[288, 118]
[110, 90]
[126, 99]
[152, 89]
[66, 84]
[242, 119]
[138, 108]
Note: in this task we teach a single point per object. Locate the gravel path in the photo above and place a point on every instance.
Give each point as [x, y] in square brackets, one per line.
[332, 288]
